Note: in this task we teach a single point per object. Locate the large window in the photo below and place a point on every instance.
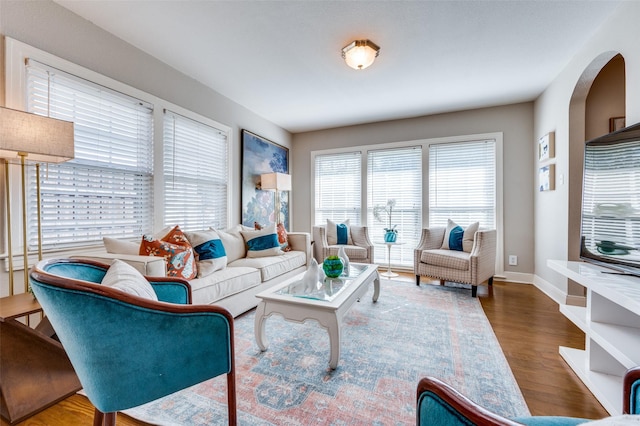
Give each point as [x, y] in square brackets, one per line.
[106, 190]
[140, 162]
[430, 180]
[337, 187]
[395, 174]
[195, 174]
[462, 183]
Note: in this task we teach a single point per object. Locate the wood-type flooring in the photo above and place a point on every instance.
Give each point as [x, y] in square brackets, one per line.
[528, 326]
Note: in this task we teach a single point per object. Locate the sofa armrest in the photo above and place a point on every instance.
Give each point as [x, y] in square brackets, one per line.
[150, 266]
[171, 290]
[300, 241]
[483, 255]
[430, 239]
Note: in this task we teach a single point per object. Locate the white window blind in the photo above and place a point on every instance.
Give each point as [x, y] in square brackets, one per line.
[338, 187]
[611, 194]
[106, 190]
[195, 174]
[395, 174]
[462, 183]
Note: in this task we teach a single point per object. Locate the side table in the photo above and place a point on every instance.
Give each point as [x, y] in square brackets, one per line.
[389, 273]
[36, 372]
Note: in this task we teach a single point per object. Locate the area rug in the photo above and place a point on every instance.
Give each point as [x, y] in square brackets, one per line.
[387, 346]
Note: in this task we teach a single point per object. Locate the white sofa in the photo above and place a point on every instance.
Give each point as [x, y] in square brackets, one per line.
[235, 286]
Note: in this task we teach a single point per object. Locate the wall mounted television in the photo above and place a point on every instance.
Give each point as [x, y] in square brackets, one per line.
[610, 228]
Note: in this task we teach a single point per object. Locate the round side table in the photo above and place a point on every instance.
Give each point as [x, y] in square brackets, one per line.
[389, 273]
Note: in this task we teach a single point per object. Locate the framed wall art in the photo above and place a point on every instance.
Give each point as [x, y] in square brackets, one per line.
[547, 147]
[547, 178]
[260, 155]
[616, 123]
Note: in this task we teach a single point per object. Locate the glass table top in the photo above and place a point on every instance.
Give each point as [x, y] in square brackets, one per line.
[326, 290]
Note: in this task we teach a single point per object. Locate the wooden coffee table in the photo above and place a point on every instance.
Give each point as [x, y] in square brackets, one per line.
[327, 303]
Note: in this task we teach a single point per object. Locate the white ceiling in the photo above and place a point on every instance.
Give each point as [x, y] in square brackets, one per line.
[281, 59]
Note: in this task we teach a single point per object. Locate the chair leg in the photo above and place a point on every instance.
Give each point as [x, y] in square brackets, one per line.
[491, 281]
[104, 419]
[441, 282]
[417, 279]
[474, 290]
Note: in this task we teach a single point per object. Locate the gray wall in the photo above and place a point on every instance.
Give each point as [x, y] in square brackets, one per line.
[49, 27]
[516, 123]
[52, 28]
[562, 107]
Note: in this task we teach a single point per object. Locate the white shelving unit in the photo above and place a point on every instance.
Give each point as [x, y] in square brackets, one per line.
[611, 323]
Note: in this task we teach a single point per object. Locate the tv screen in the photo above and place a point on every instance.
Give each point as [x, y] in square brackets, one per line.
[610, 232]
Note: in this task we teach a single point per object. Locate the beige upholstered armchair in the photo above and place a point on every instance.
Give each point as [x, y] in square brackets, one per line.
[360, 251]
[473, 267]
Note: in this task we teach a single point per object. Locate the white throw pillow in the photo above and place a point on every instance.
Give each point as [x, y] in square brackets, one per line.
[233, 243]
[457, 238]
[125, 277]
[263, 242]
[116, 246]
[209, 248]
[332, 232]
[469, 236]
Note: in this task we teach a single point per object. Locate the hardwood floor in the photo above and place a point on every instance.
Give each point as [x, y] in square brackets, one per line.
[528, 326]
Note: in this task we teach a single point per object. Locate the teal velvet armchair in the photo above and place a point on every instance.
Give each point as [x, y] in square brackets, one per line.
[127, 350]
[439, 404]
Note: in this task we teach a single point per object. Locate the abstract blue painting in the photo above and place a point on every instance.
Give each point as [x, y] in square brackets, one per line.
[259, 156]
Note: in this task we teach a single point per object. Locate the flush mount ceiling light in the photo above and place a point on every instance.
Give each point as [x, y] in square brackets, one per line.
[359, 54]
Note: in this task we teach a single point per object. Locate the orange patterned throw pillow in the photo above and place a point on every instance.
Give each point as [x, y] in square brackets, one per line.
[283, 238]
[176, 250]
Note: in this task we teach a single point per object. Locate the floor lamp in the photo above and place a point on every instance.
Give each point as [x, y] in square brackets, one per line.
[30, 137]
[276, 182]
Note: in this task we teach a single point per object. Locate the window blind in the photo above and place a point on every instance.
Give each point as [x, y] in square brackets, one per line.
[195, 173]
[106, 190]
[338, 187]
[395, 174]
[462, 183]
[611, 193]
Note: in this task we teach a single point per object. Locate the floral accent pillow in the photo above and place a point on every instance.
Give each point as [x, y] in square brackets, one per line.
[283, 238]
[175, 249]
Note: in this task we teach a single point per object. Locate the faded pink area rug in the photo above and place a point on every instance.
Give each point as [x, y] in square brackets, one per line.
[387, 346]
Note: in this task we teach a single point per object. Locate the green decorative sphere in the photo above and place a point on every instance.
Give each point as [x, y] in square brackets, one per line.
[332, 266]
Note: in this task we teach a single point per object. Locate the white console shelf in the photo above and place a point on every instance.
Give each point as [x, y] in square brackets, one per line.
[611, 323]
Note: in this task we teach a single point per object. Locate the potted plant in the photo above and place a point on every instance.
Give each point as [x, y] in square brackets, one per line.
[391, 232]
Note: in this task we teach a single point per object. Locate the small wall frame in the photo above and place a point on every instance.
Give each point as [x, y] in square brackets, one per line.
[547, 147]
[547, 178]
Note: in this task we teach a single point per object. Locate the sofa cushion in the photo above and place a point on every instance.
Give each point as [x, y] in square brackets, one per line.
[353, 252]
[458, 238]
[469, 236]
[283, 238]
[262, 242]
[273, 266]
[210, 253]
[176, 250]
[446, 258]
[223, 283]
[233, 242]
[125, 277]
[118, 246]
[338, 232]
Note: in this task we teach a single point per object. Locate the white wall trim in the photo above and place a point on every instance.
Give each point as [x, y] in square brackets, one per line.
[550, 290]
[515, 277]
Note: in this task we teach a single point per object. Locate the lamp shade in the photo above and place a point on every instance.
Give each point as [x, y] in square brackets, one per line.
[42, 139]
[359, 54]
[276, 181]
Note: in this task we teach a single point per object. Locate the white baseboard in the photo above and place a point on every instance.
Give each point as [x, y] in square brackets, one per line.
[514, 277]
[550, 290]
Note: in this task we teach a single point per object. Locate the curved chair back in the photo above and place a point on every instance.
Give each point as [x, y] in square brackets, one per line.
[127, 350]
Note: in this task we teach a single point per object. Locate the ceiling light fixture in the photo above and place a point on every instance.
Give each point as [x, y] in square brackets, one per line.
[359, 54]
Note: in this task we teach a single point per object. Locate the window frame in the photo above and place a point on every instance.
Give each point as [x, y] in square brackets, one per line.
[425, 143]
[16, 53]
